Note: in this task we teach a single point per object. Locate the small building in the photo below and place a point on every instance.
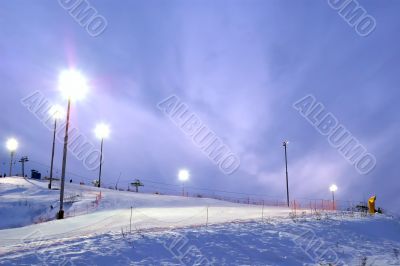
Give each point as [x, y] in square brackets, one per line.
[36, 175]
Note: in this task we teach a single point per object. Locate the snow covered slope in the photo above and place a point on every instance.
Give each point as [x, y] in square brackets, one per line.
[32, 198]
[170, 230]
[278, 241]
[25, 204]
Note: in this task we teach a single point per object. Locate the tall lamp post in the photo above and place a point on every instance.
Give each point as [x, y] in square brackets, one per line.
[333, 189]
[73, 87]
[183, 176]
[285, 143]
[56, 112]
[102, 131]
[12, 146]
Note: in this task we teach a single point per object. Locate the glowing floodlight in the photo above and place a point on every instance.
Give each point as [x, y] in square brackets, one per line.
[73, 84]
[333, 188]
[183, 175]
[102, 131]
[12, 145]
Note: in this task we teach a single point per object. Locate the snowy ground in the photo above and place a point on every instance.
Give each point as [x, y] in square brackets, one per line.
[355, 241]
[24, 202]
[168, 230]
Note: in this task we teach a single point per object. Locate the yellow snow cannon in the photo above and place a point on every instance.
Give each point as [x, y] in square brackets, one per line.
[371, 204]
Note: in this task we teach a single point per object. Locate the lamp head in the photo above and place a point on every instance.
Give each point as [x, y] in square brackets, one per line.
[72, 84]
[285, 142]
[333, 188]
[102, 131]
[12, 144]
[183, 175]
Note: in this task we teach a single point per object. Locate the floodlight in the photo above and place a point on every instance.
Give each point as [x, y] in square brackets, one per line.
[183, 175]
[333, 188]
[72, 84]
[102, 131]
[12, 144]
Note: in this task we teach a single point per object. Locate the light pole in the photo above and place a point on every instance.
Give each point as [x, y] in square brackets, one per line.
[56, 112]
[12, 146]
[333, 189]
[73, 87]
[102, 131]
[285, 143]
[183, 176]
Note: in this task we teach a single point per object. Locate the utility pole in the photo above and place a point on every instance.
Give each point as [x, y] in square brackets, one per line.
[287, 175]
[102, 131]
[101, 161]
[11, 163]
[73, 86]
[116, 184]
[23, 160]
[333, 189]
[52, 152]
[60, 214]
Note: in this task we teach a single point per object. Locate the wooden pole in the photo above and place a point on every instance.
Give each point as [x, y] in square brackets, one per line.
[130, 222]
[207, 217]
[262, 212]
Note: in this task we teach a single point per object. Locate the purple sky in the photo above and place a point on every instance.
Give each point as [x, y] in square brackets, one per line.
[238, 65]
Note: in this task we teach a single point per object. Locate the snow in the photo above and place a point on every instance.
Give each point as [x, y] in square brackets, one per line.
[33, 201]
[280, 241]
[171, 230]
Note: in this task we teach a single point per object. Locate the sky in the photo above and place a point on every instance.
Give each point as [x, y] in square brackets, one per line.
[238, 65]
